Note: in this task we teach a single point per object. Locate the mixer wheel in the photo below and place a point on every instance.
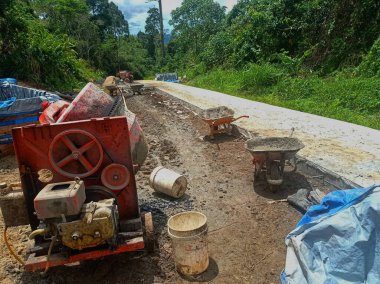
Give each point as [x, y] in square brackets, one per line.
[75, 153]
[149, 237]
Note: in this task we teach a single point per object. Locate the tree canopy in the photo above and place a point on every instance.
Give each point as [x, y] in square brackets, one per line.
[194, 22]
[60, 43]
[327, 35]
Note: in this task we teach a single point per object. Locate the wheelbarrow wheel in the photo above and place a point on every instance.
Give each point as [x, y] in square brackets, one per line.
[148, 229]
[275, 178]
[274, 188]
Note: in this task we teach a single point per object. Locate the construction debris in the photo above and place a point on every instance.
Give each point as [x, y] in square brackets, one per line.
[304, 198]
[13, 206]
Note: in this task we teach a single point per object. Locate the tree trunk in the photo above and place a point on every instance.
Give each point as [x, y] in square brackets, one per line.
[161, 30]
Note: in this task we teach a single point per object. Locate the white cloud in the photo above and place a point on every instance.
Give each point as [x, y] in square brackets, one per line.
[229, 4]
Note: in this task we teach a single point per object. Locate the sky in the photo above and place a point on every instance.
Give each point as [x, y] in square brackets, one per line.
[135, 11]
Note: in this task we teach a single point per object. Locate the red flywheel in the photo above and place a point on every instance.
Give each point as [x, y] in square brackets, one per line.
[75, 153]
[115, 176]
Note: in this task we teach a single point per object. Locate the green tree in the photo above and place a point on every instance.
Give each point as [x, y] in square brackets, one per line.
[30, 52]
[161, 24]
[72, 18]
[152, 32]
[194, 22]
[108, 18]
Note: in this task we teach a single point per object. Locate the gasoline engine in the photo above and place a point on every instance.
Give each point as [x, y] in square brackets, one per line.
[65, 215]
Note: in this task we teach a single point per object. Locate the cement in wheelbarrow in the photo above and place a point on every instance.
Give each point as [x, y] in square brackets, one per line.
[217, 113]
[274, 144]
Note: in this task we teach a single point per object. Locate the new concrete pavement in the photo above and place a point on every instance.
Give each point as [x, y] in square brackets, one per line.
[346, 149]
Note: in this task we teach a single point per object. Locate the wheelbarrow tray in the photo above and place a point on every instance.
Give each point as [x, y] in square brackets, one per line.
[221, 120]
[274, 148]
[221, 113]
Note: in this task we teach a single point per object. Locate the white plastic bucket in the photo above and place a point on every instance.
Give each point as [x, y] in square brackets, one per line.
[168, 182]
[188, 231]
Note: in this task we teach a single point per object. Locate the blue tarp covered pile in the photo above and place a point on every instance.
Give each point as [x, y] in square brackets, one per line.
[17, 100]
[167, 77]
[19, 106]
[337, 241]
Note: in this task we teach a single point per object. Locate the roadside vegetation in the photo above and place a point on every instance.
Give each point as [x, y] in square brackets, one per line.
[320, 56]
[342, 96]
[61, 44]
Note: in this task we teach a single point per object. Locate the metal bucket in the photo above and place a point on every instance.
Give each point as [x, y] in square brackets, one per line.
[168, 182]
[188, 231]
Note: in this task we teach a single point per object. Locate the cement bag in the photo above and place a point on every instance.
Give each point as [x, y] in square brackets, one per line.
[92, 102]
[110, 81]
[337, 241]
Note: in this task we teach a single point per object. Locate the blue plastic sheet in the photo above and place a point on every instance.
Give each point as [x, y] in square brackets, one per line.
[20, 120]
[7, 103]
[337, 241]
[6, 139]
[16, 100]
[8, 80]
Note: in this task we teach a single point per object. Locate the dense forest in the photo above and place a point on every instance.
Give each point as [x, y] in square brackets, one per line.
[63, 43]
[319, 56]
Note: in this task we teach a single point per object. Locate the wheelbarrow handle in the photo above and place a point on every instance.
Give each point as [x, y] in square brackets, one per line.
[243, 116]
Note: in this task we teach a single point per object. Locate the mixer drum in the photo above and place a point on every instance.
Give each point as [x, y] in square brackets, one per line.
[93, 102]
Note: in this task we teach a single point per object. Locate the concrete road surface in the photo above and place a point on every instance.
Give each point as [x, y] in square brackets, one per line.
[349, 150]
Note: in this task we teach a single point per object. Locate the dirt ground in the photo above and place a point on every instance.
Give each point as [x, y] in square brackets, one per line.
[246, 229]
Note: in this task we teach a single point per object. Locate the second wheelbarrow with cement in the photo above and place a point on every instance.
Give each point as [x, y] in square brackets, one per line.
[219, 119]
[270, 155]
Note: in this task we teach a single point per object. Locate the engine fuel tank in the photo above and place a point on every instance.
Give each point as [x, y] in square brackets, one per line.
[57, 199]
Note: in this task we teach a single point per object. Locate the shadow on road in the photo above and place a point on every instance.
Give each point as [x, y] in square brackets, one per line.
[292, 183]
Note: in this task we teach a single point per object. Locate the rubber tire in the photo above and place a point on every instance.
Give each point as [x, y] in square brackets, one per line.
[274, 175]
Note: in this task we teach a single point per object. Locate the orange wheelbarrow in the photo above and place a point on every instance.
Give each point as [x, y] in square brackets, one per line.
[219, 120]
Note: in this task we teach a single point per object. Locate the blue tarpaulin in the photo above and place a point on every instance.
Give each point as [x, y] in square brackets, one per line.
[337, 241]
[20, 120]
[7, 103]
[17, 100]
